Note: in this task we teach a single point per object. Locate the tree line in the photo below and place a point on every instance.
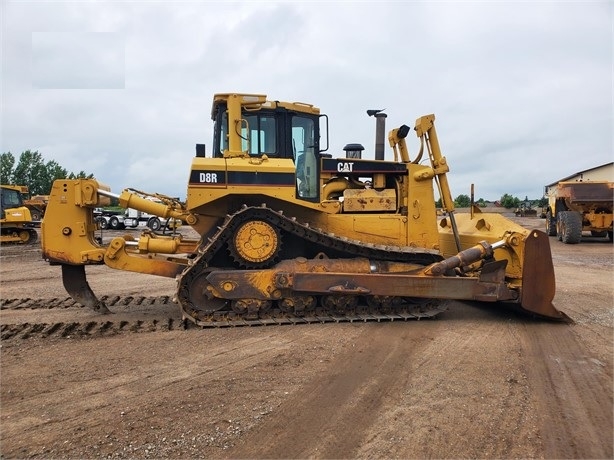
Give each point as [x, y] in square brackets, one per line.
[32, 170]
[506, 201]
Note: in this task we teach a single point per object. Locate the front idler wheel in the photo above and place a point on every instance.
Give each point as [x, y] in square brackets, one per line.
[202, 295]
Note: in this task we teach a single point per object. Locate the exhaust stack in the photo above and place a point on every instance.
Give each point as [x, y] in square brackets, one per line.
[380, 132]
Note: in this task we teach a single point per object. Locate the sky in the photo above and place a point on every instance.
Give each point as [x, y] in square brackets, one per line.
[522, 91]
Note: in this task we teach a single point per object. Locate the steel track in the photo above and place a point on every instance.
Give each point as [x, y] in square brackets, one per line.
[280, 318]
[94, 325]
[216, 249]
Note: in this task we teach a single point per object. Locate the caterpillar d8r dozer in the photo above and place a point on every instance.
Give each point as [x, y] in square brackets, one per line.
[290, 234]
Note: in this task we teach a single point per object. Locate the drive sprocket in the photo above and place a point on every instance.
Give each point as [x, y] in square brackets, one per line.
[255, 244]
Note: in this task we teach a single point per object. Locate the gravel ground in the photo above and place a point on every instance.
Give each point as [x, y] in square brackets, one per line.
[478, 382]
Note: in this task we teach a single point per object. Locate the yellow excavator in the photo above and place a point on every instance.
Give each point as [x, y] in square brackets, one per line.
[16, 224]
[289, 233]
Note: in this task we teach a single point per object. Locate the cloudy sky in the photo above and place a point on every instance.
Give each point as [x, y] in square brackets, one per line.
[522, 90]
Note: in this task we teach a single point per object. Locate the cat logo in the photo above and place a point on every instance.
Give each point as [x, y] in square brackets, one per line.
[345, 167]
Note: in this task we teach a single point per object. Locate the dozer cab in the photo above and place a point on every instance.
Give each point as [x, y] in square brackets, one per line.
[16, 220]
[290, 233]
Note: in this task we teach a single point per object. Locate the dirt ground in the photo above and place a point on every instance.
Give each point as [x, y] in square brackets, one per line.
[477, 382]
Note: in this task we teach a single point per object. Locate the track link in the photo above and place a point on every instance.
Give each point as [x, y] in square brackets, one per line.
[37, 318]
[94, 325]
[280, 318]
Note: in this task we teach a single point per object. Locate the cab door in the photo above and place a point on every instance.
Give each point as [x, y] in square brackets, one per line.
[306, 152]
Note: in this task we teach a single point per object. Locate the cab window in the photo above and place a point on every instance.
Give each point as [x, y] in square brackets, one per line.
[10, 199]
[221, 127]
[258, 136]
[305, 156]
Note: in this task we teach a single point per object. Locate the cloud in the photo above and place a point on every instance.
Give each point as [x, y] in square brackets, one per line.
[77, 60]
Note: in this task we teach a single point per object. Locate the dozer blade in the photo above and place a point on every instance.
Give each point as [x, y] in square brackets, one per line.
[538, 282]
[75, 283]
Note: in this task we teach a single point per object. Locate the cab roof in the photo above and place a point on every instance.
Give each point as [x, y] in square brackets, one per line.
[259, 101]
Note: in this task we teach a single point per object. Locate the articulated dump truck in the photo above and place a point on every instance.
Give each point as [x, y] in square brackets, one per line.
[580, 206]
[289, 233]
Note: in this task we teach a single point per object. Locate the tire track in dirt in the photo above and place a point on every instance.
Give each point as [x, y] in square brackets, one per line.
[438, 404]
[32, 304]
[67, 302]
[77, 405]
[63, 317]
[327, 418]
[193, 378]
[572, 391]
[400, 375]
[25, 331]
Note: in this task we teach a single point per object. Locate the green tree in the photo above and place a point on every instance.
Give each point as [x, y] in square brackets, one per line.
[462, 201]
[80, 175]
[508, 201]
[31, 170]
[7, 163]
[28, 171]
[52, 172]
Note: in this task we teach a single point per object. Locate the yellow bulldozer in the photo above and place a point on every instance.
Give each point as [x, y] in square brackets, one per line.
[289, 233]
[16, 221]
